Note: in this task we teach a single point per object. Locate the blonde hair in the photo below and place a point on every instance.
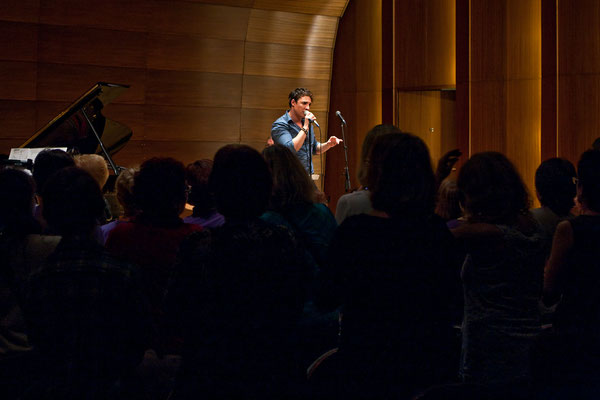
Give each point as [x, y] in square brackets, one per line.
[95, 165]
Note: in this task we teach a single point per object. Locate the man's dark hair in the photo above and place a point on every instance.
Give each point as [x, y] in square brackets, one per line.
[72, 202]
[159, 188]
[197, 174]
[47, 163]
[588, 173]
[298, 93]
[493, 189]
[400, 176]
[241, 182]
[555, 186]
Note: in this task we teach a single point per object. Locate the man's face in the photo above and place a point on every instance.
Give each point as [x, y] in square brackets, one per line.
[299, 106]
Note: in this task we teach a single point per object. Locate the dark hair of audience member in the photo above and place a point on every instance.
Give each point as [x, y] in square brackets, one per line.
[554, 185]
[16, 202]
[124, 189]
[588, 173]
[48, 162]
[400, 176]
[367, 145]
[241, 182]
[197, 174]
[159, 188]
[448, 201]
[493, 189]
[291, 183]
[72, 202]
[596, 144]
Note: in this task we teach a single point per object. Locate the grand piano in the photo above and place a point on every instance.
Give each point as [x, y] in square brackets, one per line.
[82, 128]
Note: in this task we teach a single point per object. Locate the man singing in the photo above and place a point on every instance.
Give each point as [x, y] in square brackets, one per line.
[294, 129]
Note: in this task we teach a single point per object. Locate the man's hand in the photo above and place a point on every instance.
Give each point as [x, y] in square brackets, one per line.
[333, 141]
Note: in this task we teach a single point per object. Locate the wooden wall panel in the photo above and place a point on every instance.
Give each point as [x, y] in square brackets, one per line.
[193, 88]
[194, 53]
[291, 28]
[333, 8]
[62, 82]
[131, 15]
[17, 80]
[287, 61]
[18, 118]
[209, 21]
[19, 10]
[578, 56]
[256, 123]
[192, 123]
[86, 46]
[425, 44]
[267, 92]
[18, 41]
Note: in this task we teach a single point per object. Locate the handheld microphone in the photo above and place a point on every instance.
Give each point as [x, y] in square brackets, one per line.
[339, 114]
[312, 120]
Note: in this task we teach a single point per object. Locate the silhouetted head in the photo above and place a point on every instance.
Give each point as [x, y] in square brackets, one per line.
[493, 189]
[200, 197]
[291, 183]
[72, 202]
[448, 201]
[555, 185]
[588, 175]
[48, 162]
[367, 145]
[159, 188]
[124, 189]
[95, 165]
[241, 182]
[400, 176]
[16, 196]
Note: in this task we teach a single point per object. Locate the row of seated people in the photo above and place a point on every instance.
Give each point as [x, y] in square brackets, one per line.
[250, 288]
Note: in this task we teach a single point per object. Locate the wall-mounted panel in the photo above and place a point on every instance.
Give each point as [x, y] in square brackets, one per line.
[18, 118]
[192, 123]
[287, 61]
[194, 53]
[19, 10]
[291, 28]
[256, 123]
[130, 15]
[18, 41]
[193, 89]
[62, 82]
[332, 8]
[265, 92]
[87, 46]
[206, 20]
[17, 80]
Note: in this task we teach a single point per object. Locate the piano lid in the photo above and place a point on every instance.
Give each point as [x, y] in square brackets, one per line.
[71, 128]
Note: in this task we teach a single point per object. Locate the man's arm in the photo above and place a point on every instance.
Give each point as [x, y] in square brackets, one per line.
[332, 142]
[281, 135]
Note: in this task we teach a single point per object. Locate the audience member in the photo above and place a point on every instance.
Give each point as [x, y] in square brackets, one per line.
[573, 272]
[95, 165]
[204, 212]
[502, 273]
[394, 272]
[555, 189]
[359, 201]
[86, 315]
[151, 240]
[46, 163]
[124, 189]
[238, 292]
[448, 203]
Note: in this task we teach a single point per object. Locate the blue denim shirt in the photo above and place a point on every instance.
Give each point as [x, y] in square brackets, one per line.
[284, 130]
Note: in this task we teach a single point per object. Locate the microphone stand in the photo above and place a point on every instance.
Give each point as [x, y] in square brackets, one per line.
[346, 170]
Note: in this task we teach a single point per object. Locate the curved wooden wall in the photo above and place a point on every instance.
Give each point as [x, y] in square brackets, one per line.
[202, 73]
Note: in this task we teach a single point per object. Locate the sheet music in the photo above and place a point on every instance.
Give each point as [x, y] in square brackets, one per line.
[24, 154]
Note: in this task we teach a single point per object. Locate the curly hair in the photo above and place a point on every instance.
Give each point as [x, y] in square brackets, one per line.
[493, 189]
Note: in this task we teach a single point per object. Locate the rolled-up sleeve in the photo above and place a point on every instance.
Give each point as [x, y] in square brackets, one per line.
[280, 133]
